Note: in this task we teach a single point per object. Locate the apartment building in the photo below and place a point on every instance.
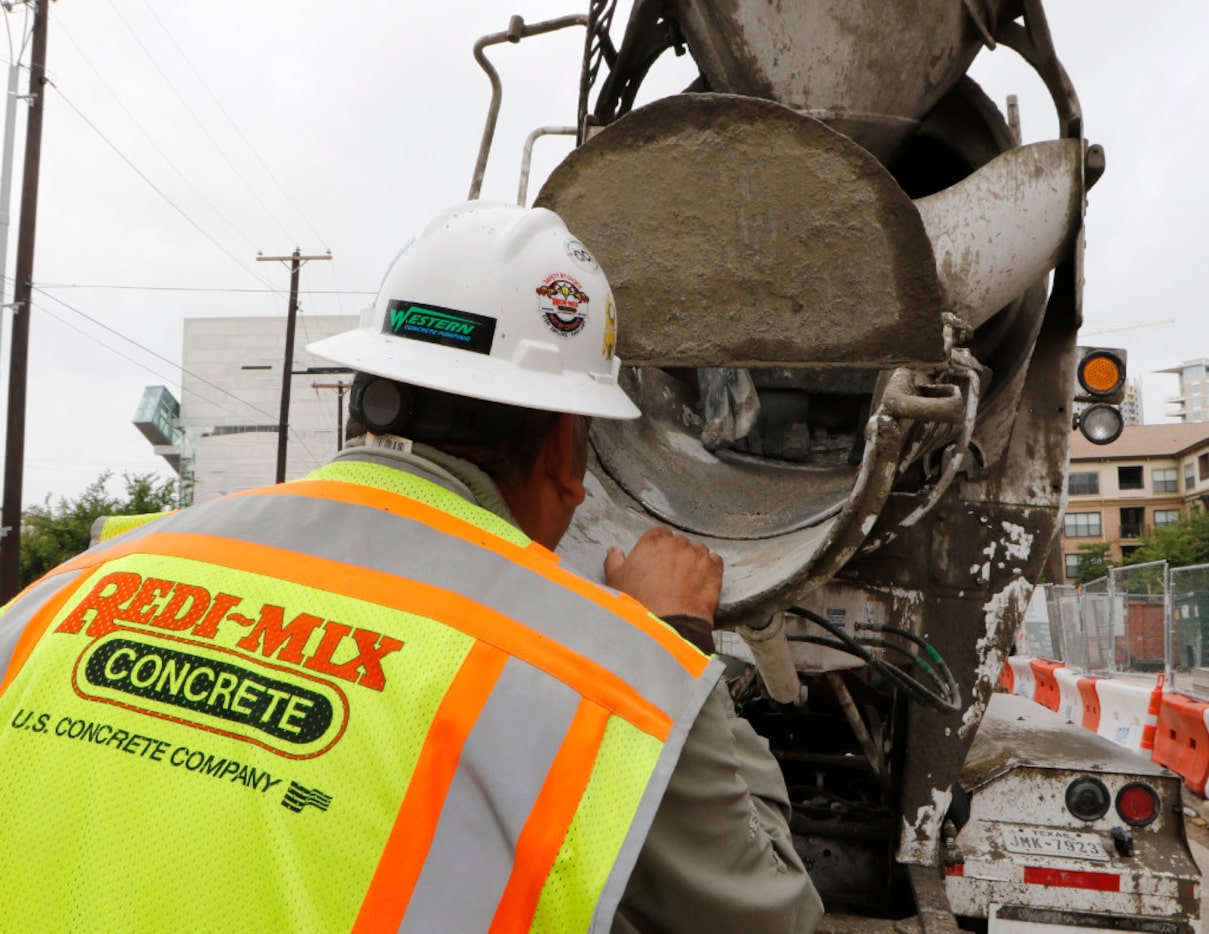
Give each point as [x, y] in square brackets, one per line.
[1120, 492]
[1131, 405]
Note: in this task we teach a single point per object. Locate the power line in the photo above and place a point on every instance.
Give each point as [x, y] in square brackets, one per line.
[339, 294]
[234, 125]
[226, 407]
[158, 190]
[175, 366]
[146, 350]
[168, 82]
[75, 468]
[147, 136]
[24, 29]
[113, 350]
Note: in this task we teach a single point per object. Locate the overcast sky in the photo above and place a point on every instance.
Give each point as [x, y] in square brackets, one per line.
[181, 138]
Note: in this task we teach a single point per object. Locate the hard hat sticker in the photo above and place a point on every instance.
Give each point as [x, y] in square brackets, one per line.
[582, 255]
[610, 333]
[433, 324]
[563, 304]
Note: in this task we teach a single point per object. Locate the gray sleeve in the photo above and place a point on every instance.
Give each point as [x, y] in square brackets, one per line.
[719, 856]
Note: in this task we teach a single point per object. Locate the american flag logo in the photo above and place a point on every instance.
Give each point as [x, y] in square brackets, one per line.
[298, 797]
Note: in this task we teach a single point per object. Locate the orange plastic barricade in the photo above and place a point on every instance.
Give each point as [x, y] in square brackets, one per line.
[1152, 716]
[1023, 681]
[1091, 703]
[1182, 739]
[1045, 691]
[1005, 678]
[1070, 701]
[1123, 706]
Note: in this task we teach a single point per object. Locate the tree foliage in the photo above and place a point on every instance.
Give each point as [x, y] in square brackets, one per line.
[1093, 561]
[51, 534]
[1180, 545]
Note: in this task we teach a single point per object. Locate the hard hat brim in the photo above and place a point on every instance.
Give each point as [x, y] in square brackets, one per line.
[480, 377]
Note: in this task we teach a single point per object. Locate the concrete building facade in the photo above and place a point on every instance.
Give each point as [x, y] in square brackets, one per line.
[226, 427]
[1131, 405]
[1121, 492]
[1192, 403]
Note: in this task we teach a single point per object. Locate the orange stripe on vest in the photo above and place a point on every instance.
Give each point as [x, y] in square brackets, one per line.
[410, 838]
[543, 834]
[535, 557]
[582, 674]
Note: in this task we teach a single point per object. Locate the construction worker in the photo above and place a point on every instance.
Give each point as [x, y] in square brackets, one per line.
[373, 699]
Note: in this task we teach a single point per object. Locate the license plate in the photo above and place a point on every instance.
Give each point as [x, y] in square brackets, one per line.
[1041, 841]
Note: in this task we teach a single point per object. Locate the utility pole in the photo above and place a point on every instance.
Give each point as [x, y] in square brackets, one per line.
[295, 259]
[341, 388]
[14, 464]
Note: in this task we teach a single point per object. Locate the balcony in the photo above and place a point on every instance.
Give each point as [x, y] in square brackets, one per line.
[1132, 523]
[1133, 533]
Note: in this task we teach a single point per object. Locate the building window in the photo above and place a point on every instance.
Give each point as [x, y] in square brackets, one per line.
[1166, 480]
[1194, 372]
[1202, 465]
[1130, 478]
[1082, 525]
[1072, 566]
[1083, 484]
[1166, 517]
[1131, 522]
[1189, 475]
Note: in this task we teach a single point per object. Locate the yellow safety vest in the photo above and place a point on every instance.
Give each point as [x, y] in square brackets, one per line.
[352, 702]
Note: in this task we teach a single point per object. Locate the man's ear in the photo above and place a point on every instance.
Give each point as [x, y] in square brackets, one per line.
[565, 458]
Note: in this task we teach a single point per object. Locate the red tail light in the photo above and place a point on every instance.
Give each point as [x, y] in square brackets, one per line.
[1138, 804]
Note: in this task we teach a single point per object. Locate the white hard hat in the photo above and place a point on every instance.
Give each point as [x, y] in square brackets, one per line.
[496, 302]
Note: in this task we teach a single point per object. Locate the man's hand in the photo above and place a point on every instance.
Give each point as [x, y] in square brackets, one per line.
[668, 574]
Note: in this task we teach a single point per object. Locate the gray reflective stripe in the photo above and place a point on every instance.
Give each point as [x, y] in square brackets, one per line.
[486, 808]
[375, 539]
[121, 541]
[500, 773]
[619, 875]
[97, 530]
[20, 612]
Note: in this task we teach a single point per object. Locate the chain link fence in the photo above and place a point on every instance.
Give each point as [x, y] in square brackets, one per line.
[1140, 619]
[1067, 635]
[1095, 617]
[1190, 617]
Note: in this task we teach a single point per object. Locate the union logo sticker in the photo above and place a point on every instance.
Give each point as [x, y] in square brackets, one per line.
[563, 304]
[578, 252]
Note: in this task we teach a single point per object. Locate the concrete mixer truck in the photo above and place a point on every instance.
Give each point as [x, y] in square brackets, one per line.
[851, 302]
